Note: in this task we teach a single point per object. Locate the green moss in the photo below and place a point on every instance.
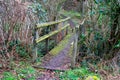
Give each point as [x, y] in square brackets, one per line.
[51, 34]
[72, 14]
[70, 51]
[61, 45]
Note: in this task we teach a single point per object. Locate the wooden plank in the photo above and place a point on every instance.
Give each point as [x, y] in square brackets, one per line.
[51, 23]
[51, 34]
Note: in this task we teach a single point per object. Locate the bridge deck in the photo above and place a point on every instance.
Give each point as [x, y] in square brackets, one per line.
[60, 57]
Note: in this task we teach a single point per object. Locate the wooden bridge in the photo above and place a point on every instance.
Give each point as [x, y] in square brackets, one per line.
[64, 54]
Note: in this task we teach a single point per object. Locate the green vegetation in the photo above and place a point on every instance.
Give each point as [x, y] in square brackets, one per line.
[20, 49]
[80, 73]
[38, 9]
[118, 44]
[30, 73]
[8, 76]
[24, 72]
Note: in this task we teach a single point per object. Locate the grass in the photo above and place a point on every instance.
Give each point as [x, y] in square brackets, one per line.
[25, 72]
[22, 71]
[78, 74]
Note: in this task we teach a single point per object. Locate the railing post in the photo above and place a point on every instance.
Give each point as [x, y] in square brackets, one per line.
[47, 40]
[66, 30]
[75, 47]
[47, 45]
[35, 44]
[62, 32]
[56, 40]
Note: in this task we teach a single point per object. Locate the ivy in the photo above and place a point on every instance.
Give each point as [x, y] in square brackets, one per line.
[38, 9]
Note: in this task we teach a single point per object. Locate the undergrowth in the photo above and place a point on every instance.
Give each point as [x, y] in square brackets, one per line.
[26, 73]
[78, 74]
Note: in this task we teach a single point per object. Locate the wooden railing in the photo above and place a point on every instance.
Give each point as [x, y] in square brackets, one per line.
[38, 39]
[78, 30]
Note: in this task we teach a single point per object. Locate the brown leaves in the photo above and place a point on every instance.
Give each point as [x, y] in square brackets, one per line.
[48, 75]
[15, 25]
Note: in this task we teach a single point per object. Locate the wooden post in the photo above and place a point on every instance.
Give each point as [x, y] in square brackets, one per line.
[75, 46]
[66, 30]
[56, 41]
[47, 41]
[47, 45]
[35, 44]
[63, 31]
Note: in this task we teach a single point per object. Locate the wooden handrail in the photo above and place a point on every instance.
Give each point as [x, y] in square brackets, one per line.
[51, 34]
[38, 39]
[51, 23]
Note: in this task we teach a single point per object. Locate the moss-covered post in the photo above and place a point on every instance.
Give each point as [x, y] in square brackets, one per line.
[66, 30]
[75, 46]
[47, 40]
[35, 44]
[55, 37]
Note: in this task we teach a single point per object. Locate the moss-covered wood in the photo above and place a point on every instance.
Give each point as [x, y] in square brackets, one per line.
[61, 45]
[51, 23]
[51, 34]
